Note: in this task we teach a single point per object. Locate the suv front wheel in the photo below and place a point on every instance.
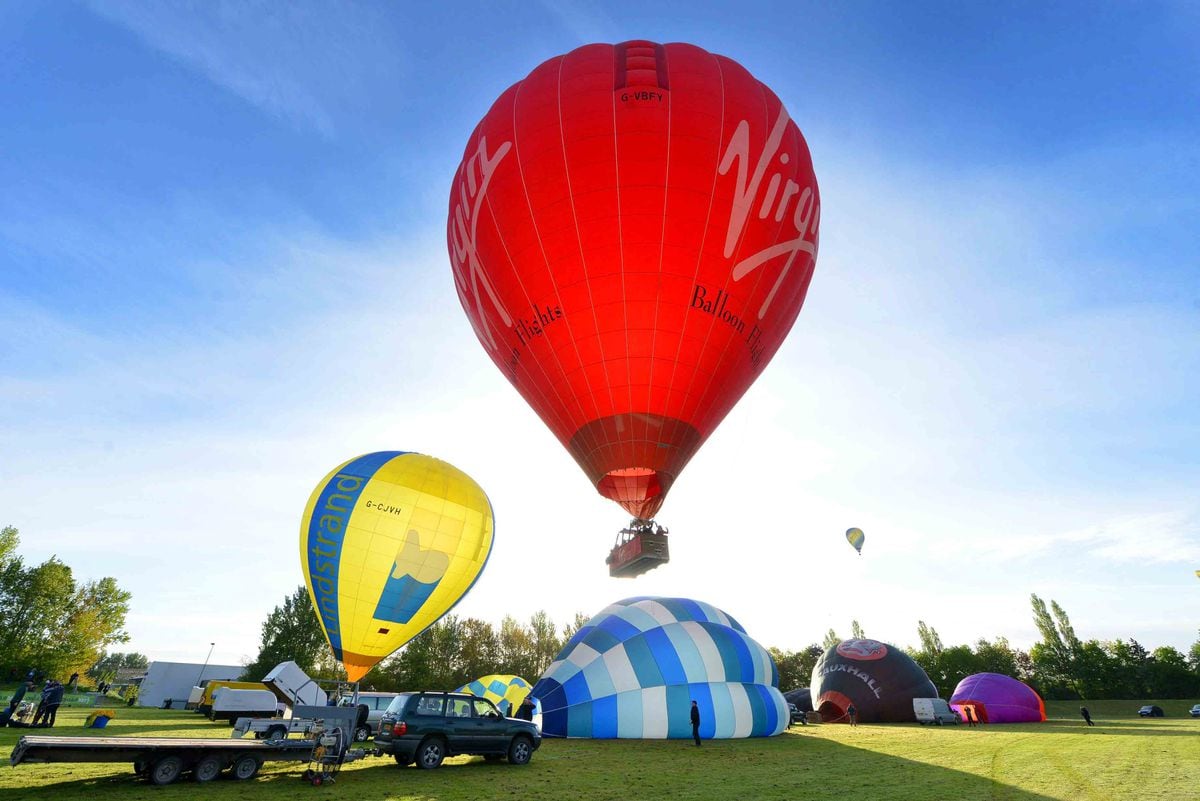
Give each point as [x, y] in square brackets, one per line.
[430, 753]
[520, 751]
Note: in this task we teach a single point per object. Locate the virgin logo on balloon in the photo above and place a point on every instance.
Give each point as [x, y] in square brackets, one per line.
[631, 251]
[805, 217]
[472, 191]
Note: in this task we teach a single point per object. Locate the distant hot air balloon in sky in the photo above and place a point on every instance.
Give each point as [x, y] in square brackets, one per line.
[855, 537]
[633, 230]
[389, 542]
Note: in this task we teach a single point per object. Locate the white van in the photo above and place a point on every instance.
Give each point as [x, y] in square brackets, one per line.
[934, 710]
[376, 704]
[230, 704]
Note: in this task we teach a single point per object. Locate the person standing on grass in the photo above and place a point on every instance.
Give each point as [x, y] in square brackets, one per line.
[970, 712]
[1083, 710]
[696, 723]
[52, 698]
[526, 709]
[852, 713]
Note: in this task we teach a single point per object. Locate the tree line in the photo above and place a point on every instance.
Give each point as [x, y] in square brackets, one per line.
[1060, 666]
[50, 622]
[448, 654]
[457, 650]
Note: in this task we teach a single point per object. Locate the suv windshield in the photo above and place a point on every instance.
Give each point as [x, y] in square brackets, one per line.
[397, 704]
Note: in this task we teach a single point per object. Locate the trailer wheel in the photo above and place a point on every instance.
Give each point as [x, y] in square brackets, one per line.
[277, 733]
[207, 769]
[166, 769]
[245, 767]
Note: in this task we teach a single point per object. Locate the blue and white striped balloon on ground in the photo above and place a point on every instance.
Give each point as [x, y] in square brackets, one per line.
[633, 670]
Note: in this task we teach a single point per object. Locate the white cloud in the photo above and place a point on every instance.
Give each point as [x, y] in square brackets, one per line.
[305, 62]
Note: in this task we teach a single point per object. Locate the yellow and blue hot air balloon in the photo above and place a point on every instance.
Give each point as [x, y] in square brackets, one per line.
[855, 537]
[389, 543]
[504, 690]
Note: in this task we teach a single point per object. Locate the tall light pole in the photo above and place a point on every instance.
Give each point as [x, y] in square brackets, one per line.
[202, 667]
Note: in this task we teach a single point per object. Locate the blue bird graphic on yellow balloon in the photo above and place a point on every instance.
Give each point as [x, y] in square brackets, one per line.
[389, 542]
[415, 575]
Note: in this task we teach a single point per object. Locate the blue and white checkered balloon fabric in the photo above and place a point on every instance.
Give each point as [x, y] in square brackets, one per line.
[633, 670]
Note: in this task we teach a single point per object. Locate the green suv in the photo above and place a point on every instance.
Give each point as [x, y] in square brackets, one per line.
[428, 727]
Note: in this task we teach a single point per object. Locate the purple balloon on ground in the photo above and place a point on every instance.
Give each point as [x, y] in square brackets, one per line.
[998, 699]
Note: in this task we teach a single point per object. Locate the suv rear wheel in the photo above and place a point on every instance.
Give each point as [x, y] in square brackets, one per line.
[430, 753]
[520, 750]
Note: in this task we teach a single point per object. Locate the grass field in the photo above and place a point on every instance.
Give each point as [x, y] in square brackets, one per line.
[1122, 757]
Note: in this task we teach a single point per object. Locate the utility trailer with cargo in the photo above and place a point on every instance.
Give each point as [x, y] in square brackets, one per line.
[162, 760]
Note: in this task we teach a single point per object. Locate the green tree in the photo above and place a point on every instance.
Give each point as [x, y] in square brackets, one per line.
[570, 629]
[931, 643]
[543, 636]
[518, 652]
[478, 650]
[831, 639]
[929, 655]
[106, 667]
[1128, 674]
[1093, 670]
[996, 657]
[1170, 676]
[787, 664]
[430, 661]
[954, 664]
[292, 631]
[50, 622]
[1053, 657]
[92, 622]
[32, 607]
[795, 667]
[856, 630]
[10, 538]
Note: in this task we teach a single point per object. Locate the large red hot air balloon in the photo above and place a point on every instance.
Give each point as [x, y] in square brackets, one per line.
[632, 230]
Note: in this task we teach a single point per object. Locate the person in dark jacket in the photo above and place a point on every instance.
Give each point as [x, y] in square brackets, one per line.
[525, 710]
[1083, 710]
[52, 697]
[852, 713]
[696, 723]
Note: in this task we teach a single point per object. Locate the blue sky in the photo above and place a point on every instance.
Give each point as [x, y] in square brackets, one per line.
[223, 272]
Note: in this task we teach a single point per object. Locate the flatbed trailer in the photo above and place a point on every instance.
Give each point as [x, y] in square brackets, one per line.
[162, 760]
